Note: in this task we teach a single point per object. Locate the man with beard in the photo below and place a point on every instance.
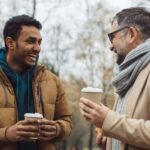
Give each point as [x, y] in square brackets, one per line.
[26, 87]
[127, 127]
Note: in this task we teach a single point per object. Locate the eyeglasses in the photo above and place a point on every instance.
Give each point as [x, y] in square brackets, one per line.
[112, 34]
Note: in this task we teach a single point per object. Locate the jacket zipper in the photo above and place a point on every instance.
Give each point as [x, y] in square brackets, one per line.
[36, 84]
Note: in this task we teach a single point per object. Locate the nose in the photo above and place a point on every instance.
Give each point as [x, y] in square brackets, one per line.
[111, 47]
[37, 47]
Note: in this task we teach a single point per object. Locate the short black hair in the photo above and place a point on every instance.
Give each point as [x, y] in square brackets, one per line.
[14, 25]
[135, 16]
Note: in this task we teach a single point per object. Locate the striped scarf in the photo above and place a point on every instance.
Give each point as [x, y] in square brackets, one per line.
[134, 62]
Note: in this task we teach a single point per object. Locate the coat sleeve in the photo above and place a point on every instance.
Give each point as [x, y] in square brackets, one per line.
[2, 135]
[62, 112]
[135, 132]
[133, 127]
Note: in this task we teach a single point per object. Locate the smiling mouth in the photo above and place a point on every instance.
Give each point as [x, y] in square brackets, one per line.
[33, 57]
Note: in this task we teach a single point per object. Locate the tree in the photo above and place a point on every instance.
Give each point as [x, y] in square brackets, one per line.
[34, 8]
[91, 44]
[80, 126]
[55, 48]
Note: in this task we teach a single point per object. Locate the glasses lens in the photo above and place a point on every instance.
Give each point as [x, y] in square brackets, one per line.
[111, 35]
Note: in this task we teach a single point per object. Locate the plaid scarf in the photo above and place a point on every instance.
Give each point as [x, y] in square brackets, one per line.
[134, 62]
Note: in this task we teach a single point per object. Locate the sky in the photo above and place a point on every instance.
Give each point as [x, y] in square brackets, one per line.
[71, 15]
[119, 4]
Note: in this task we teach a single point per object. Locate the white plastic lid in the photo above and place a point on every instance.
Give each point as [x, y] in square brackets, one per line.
[34, 115]
[91, 89]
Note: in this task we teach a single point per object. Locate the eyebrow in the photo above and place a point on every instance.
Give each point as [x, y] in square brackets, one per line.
[34, 38]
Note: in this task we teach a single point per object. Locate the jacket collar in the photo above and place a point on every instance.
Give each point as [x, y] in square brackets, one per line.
[138, 87]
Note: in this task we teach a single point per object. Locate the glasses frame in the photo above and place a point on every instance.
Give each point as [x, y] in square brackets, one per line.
[111, 35]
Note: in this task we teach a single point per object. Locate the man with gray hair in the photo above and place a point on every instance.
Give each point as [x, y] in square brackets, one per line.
[127, 127]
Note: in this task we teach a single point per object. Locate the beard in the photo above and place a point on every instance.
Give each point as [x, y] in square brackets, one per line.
[120, 59]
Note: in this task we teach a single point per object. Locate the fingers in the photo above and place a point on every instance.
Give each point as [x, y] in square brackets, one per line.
[47, 135]
[27, 131]
[17, 133]
[94, 113]
[48, 127]
[48, 130]
[88, 107]
[101, 141]
[28, 128]
[88, 102]
[28, 121]
[87, 112]
[99, 136]
[47, 122]
[98, 131]
[27, 134]
[42, 129]
[84, 110]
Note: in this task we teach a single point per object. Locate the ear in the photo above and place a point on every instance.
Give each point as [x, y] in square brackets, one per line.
[10, 43]
[133, 34]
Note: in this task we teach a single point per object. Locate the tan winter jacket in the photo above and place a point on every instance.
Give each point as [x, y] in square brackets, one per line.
[49, 98]
[133, 129]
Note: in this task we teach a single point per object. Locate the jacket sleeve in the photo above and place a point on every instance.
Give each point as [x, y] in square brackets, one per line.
[2, 135]
[135, 132]
[62, 112]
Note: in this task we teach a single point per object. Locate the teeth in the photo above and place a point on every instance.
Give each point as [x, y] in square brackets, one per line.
[33, 57]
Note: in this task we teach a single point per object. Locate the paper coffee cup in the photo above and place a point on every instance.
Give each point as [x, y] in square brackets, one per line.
[35, 116]
[93, 94]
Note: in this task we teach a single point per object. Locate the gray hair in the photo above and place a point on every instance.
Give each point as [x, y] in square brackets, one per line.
[135, 16]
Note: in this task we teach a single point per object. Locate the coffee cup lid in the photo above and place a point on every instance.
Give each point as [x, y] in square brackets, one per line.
[34, 115]
[91, 89]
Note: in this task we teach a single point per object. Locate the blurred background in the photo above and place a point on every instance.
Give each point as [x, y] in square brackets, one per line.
[76, 48]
